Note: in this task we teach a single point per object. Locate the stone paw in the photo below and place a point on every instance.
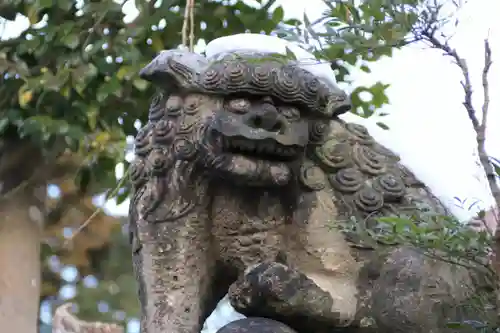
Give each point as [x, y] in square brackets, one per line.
[256, 325]
[276, 291]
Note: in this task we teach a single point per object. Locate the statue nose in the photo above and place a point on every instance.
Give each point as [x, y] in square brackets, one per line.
[265, 117]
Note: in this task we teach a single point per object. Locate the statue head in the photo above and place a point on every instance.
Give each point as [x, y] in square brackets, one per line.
[245, 115]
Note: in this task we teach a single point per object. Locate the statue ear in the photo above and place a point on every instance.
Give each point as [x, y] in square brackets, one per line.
[338, 103]
[174, 69]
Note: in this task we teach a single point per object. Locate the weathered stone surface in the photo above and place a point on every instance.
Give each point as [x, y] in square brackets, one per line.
[408, 292]
[245, 162]
[426, 294]
[256, 325]
[276, 291]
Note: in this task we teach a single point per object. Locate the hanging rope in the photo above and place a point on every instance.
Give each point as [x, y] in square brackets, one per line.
[188, 22]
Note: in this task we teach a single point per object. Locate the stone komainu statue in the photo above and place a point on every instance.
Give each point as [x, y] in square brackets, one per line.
[241, 174]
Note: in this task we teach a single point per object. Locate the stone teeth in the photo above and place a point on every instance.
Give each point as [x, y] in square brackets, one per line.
[269, 148]
[226, 143]
[257, 147]
[250, 146]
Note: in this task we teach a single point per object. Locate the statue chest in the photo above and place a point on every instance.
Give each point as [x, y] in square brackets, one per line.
[247, 226]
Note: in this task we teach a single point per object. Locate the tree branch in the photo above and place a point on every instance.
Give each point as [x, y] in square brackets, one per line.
[479, 127]
[462, 64]
[481, 134]
[65, 322]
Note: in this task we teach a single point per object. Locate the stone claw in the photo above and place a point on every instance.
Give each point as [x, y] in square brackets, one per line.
[276, 291]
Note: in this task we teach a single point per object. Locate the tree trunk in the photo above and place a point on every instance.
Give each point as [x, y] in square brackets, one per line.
[21, 221]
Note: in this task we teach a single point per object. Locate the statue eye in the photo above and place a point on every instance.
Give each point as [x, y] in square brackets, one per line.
[290, 112]
[239, 105]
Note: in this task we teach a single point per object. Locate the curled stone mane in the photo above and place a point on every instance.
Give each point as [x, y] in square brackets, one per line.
[366, 178]
[252, 73]
[287, 82]
[241, 167]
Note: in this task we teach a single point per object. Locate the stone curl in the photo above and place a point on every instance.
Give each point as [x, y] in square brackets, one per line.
[391, 186]
[284, 81]
[368, 200]
[138, 173]
[334, 154]
[159, 162]
[347, 180]
[364, 175]
[157, 109]
[312, 177]
[359, 133]
[318, 131]
[174, 105]
[184, 149]
[143, 141]
[164, 132]
[368, 160]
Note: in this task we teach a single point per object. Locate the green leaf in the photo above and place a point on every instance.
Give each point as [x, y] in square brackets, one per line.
[126, 72]
[157, 42]
[25, 96]
[4, 122]
[112, 86]
[382, 126]
[365, 69]
[45, 3]
[65, 5]
[140, 84]
[71, 40]
[278, 14]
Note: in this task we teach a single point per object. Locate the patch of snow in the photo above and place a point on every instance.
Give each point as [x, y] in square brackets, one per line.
[461, 206]
[271, 44]
[223, 314]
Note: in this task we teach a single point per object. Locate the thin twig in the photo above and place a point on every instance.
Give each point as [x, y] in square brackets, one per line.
[191, 32]
[466, 83]
[98, 210]
[488, 168]
[185, 25]
[479, 127]
[91, 33]
[188, 24]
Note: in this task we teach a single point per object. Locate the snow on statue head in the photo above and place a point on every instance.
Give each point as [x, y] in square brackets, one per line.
[257, 43]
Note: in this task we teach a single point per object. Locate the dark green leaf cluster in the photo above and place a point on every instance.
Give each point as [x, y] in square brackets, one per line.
[455, 241]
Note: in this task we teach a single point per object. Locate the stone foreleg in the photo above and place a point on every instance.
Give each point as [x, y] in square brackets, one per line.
[173, 265]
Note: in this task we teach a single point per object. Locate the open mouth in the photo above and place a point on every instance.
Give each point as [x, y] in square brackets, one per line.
[266, 149]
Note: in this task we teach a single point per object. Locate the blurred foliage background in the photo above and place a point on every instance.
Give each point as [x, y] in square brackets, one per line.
[70, 90]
